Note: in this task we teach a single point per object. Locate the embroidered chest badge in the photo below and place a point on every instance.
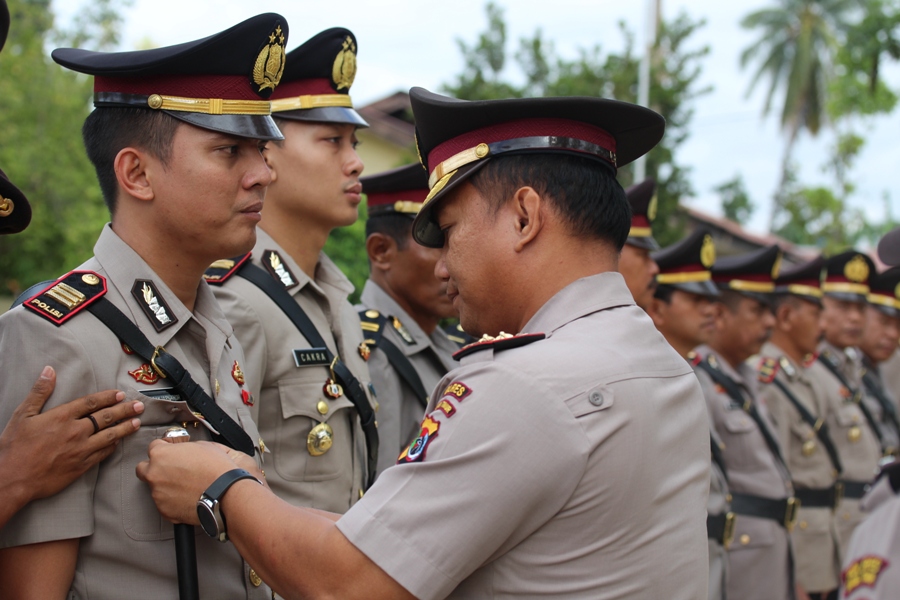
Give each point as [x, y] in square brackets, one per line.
[145, 374]
[863, 573]
[415, 452]
[237, 374]
[274, 264]
[153, 305]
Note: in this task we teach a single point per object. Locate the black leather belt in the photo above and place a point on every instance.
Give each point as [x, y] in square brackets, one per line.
[855, 489]
[829, 497]
[783, 511]
[720, 528]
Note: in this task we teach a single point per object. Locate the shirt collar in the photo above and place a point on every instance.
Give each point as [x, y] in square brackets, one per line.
[374, 296]
[327, 273]
[580, 298]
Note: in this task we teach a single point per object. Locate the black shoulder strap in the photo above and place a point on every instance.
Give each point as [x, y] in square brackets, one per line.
[169, 368]
[820, 427]
[717, 456]
[280, 296]
[887, 407]
[395, 356]
[734, 392]
[857, 398]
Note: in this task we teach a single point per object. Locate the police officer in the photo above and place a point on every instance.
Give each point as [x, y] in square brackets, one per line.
[530, 475]
[881, 334]
[760, 564]
[41, 454]
[402, 305]
[838, 370]
[683, 310]
[176, 139]
[635, 262]
[799, 411]
[301, 335]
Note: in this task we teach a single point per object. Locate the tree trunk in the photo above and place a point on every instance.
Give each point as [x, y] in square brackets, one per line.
[778, 198]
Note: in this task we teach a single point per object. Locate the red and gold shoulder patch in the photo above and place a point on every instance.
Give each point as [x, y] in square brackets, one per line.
[809, 359]
[457, 390]
[767, 370]
[415, 452]
[863, 573]
[222, 269]
[694, 358]
[68, 296]
[504, 341]
[446, 407]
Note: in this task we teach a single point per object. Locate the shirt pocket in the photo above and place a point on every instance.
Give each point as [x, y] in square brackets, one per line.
[742, 440]
[301, 400]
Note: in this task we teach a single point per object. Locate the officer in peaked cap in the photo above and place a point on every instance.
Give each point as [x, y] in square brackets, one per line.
[881, 335]
[759, 558]
[635, 263]
[838, 369]
[402, 305]
[317, 415]
[176, 139]
[526, 453]
[683, 311]
[806, 423]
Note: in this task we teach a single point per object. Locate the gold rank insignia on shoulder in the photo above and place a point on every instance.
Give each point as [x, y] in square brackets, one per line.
[67, 296]
[274, 264]
[767, 370]
[502, 341]
[153, 305]
[222, 269]
[269, 66]
[343, 71]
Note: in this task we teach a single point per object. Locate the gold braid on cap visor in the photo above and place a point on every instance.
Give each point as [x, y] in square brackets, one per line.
[208, 106]
[307, 102]
[889, 301]
[742, 285]
[798, 289]
[845, 288]
[684, 277]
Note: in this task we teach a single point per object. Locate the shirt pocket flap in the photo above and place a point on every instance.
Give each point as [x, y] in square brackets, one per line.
[737, 421]
[595, 399]
[302, 397]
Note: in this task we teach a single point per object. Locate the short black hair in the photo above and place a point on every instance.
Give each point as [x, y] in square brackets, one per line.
[396, 226]
[107, 130]
[664, 292]
[584, 191]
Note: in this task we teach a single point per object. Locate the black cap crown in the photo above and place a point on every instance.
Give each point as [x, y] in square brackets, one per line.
[399, 190]
[317, 80]
[455, 138]
[642, 197]
[889, 248]
[221, 82]
[4, 22]
[686, 265]
[752, 274]
[884, 292]
[846, 276]
[803, 280]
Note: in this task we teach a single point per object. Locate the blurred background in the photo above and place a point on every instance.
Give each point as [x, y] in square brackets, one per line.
[782, 114]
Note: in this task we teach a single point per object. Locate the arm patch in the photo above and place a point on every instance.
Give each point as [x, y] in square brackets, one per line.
[67, 296]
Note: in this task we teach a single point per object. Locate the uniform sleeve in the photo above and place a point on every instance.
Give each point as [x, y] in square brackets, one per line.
[251, 334]
[27, 343]
[497, 458]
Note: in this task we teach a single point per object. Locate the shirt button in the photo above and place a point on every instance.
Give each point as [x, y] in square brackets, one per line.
[745, 539]
[596, 398]
[322, 407]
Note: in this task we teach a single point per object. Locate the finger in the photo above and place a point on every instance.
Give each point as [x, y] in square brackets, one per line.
[39, 394]
[141, 470]
[156, 444]
[110, 436]
[108, 417]
[86, 405]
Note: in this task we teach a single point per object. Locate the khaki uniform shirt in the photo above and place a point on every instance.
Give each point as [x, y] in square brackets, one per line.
[856, 443]
[815, 537]
[890, 374]
[573, 467]
[890, 436]
[717, 504]
[872, 565]
[400, 411]
[759, 557]
[290, 400]
[126, 547]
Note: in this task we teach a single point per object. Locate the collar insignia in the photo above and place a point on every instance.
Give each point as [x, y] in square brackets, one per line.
[787, 367]
[237, 374]
[501, 342]
[269, 64]
[153, 305]
[403, 332]
[273, 263]
[343, 71]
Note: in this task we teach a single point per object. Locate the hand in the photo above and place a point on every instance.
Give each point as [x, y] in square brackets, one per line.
[178, 474]
[46, 452]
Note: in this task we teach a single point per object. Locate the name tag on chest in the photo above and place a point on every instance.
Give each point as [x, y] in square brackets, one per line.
[311, 357]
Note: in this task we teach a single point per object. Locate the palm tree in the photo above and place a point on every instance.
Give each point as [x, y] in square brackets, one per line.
[795, 49]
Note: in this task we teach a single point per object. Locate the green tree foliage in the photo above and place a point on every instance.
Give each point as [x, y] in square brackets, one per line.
[42, 107]
[736, 203]
[675, 70]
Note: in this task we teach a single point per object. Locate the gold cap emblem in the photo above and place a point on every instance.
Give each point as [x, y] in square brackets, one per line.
[7, 205]
[652, 207]
[776, 268]
[707, 252]
[897, 291]
[343, 71]
[270, 63]
[856, 269]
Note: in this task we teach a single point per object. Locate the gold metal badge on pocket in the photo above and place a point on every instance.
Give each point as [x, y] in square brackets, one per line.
[808, 448]
[320, 439]
[854, 434]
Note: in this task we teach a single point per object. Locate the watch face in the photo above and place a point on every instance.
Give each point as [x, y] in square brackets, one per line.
[207, 519]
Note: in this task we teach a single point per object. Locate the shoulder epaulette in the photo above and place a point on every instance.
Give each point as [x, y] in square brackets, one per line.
[372, 323]
[458, 336]
[810, 359]
[504, 341]
[222, 269]
[767, 369]
[694, 358]
[68, 296]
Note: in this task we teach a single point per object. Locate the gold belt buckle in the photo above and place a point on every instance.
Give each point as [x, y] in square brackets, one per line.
[156, 353]
[728, 533]
[790, 514]
[838, 494]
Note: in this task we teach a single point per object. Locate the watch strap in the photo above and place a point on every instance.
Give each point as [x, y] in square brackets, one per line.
[220, 486]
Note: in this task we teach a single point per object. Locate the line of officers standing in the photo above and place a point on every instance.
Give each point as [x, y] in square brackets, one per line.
[800, 371]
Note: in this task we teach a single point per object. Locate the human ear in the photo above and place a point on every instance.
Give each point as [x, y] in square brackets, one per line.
[528, 209]
[381, 249]
[132, 172]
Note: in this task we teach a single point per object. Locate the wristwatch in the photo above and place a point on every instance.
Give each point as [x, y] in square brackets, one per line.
[208, 508]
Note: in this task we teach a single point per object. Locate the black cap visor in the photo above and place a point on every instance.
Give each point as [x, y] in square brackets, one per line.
[701, 288]
[848, 297]
[325, 114]
[15, 212]
[887, 310]
[647, 242]
[258, 127]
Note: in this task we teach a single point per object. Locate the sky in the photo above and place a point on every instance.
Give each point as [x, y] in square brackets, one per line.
[405, 43]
